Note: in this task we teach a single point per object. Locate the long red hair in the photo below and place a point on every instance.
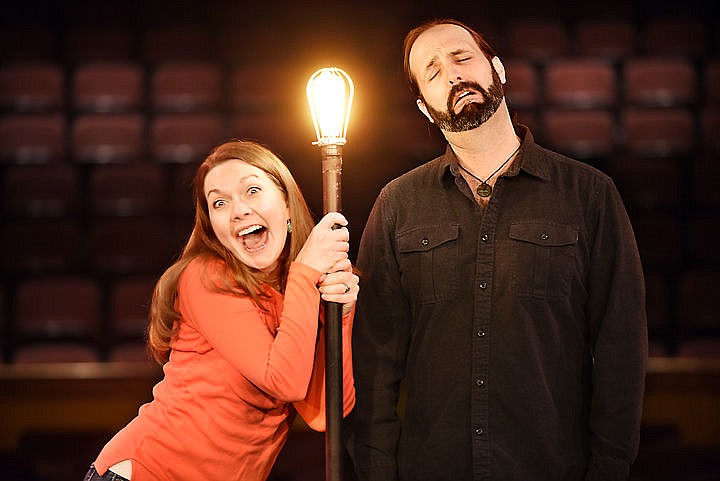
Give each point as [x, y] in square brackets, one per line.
[203, 243]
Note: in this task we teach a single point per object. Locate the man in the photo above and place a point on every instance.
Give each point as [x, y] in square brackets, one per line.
[503, 289]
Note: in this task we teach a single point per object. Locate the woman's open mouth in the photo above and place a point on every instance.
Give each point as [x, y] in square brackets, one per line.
[254, 237]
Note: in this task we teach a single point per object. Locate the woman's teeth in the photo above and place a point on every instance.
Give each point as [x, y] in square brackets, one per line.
[249, 230]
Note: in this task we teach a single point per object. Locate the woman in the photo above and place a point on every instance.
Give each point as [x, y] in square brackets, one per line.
[237, 323]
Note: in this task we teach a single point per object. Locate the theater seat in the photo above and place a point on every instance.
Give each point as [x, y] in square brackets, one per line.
[40, 246]
[107, 138]
[611, 38]
[129, 245]
[580, 83]
[163, 43]
[32, 138]
[658, 239]
[709, 128]
[648, 184]
[697, 312]
[35, 191]
[660, 81]
[537, 39]
[129, 302]
[521, 89]
[105, 87]
[32, 86]
[185, 137]
[658, 132]
[584, 134]
[186, 86]
[61, 309]
[122, 190]
[712, 81]
[92, 43]
[676, 35]
[261, 87]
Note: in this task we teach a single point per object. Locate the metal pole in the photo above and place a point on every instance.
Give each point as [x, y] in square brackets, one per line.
[332, 180]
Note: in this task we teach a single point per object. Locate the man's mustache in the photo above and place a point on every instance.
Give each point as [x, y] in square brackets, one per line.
[459, 87]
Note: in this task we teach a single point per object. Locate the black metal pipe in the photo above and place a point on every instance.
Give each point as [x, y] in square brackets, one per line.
[332, 194]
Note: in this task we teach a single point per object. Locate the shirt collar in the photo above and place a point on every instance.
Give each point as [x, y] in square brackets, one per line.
[529, 159]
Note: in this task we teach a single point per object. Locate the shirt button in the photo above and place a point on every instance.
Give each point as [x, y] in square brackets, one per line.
[425, 242]
[484, 237]
[544, 236]
[479, 431]
[483, 285]
[481, 334]
[479, 382]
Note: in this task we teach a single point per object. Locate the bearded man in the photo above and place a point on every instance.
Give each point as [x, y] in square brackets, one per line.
[502, 290]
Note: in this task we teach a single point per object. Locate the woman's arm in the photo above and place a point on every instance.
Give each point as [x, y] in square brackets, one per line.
[312, 408]
[278, 363]
[342, 286]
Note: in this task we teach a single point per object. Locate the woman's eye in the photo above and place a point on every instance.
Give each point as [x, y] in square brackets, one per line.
[218, 203]
[253, 190]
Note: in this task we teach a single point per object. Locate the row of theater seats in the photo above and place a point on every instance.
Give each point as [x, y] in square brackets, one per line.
[89, 318]
[100, 136]
[63, 190]
[240, 41]
[592, 82]
[44, 138]
[682, 312]
[187, 137]
[78, 318]
[119, 86]
[91, 213]
[122, 86]
[542, 38]
[102, 112]
[116, 246]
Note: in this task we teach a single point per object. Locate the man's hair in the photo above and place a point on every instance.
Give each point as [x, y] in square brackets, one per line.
[413, 35]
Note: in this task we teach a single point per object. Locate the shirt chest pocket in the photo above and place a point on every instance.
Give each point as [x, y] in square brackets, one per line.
[427, 258]
[543, 258]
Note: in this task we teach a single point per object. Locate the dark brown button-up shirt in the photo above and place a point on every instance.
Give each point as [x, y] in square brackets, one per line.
[518, 331]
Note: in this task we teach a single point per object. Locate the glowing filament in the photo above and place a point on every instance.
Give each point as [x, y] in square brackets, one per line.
[330, 93]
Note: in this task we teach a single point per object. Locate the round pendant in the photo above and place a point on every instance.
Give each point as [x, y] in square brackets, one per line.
[484, 189]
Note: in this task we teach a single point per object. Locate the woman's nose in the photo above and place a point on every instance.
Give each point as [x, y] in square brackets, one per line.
[241, 209]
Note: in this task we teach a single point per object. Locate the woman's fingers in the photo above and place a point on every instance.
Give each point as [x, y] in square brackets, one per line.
[326, 245]
[341, 286]
[332, 218]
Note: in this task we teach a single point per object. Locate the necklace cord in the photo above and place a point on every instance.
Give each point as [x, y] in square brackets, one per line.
[484, 190]
[496, 170]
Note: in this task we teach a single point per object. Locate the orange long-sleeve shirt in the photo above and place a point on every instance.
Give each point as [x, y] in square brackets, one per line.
[234, 376]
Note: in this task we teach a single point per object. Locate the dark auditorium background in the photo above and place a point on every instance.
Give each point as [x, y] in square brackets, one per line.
[108, 106]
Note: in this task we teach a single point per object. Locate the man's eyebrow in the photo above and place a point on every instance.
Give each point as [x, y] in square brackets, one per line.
[431, 64]
[433, 61]
[460, 51]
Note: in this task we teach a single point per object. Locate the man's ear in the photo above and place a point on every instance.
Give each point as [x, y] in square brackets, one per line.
[499, 68]
[421, 106]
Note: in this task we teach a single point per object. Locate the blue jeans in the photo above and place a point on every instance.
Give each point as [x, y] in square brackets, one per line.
[92, 475]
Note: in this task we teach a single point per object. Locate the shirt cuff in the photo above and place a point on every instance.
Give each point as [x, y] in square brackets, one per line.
[304, 270]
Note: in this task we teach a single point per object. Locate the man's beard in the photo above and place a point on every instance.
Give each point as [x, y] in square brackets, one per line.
[473, 114]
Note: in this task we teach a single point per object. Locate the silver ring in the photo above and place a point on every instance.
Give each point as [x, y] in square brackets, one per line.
[347, 288]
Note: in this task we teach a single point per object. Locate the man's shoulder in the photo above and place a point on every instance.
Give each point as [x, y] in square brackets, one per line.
[426, 173]
[553, 161]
